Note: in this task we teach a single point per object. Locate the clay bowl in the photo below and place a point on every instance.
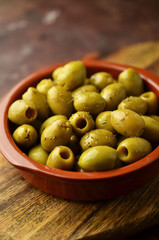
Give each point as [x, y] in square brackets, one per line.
[77, 185]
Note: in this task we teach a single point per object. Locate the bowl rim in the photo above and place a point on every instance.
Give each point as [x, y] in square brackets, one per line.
[21, 161]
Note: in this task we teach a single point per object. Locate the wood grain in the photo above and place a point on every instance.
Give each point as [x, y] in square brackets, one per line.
[143, 54]
[28, 213]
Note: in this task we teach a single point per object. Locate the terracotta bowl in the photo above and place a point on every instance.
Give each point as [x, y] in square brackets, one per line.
[77, 185]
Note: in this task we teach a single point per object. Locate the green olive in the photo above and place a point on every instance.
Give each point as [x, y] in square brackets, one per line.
[77, 168]
[58, 133]
[71, 76]
[151, 131]
[33, 97]
[60, 101]
[44, 85]
[20, 112]
[152, 102]
[38, 154]
[101, 79]
[61, 157]
[97, 137]
[131, 81]
[56, 72]
[135, 104]
[133, 149]
[127, 122]
[81, 122]
[113, 94]
[103, 121]
[90, 102]
[50, 120]
[84, 88]
[99, 158]
[25, 136]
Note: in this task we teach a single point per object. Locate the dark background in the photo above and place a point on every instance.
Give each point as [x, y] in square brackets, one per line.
[38, 33]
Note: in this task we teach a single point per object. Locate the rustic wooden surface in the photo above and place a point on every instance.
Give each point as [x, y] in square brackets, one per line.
[34, 34]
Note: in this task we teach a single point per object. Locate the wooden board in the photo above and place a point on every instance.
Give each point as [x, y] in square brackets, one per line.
[28, 213]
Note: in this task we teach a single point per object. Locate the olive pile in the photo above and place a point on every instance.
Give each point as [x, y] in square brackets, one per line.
[80, 123]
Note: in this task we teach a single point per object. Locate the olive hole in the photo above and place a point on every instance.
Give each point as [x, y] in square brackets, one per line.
[30, 113]
[64, 154]
[123, 153]
[146, 95]
[81, 123]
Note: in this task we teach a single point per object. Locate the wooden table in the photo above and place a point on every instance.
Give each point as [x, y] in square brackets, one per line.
[26, 212]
